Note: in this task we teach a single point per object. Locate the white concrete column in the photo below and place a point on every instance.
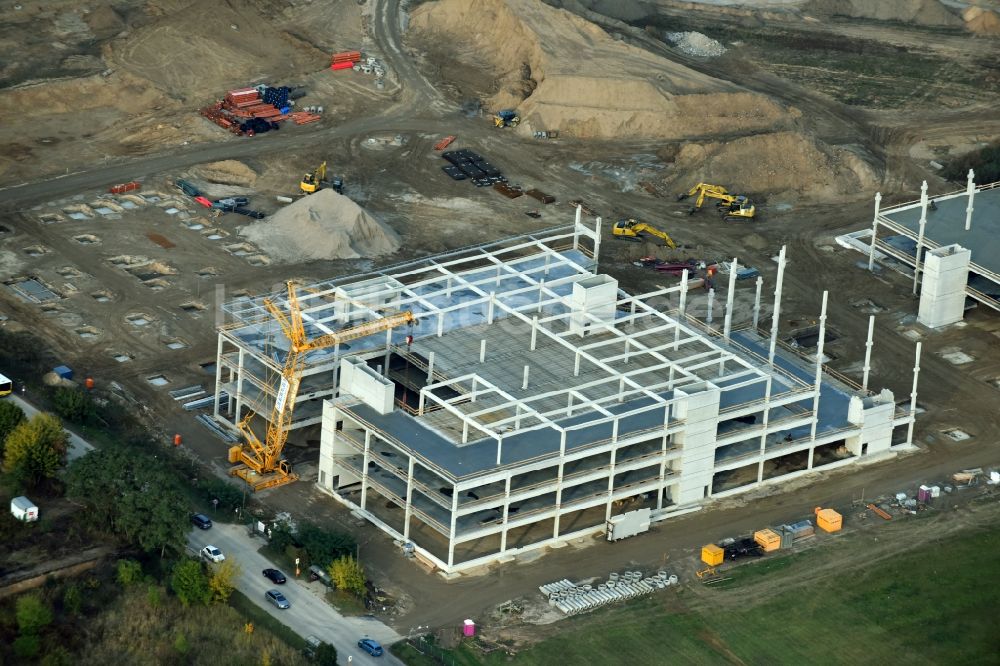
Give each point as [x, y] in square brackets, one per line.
[682, 307]
[534, 332]
[218, 378]
[711, 307]
[364, 469]
[756, 303]
[871, 248]
[776, 315]
[238, 414]
[409, 502]
[943, 288]
[430, 367]
[506, 514]
[970, 189]
[730, 296]
[913, 396]
[440, 324]
[524, 382]
[868, 353]
[817, 381]
[920, 236]
[499, 448]
[489, 310]
[541, 294]
[576, 364]
[611, 475]
[482, 350]
[597, 239]
[451, 531]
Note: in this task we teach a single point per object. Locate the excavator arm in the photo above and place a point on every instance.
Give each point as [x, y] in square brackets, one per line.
[653, 231]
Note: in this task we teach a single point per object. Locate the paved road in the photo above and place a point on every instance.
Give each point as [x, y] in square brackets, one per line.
[77, 445]
[308, 614]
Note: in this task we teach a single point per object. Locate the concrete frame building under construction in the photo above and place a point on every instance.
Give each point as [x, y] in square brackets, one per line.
[533, 400]
[957, 238]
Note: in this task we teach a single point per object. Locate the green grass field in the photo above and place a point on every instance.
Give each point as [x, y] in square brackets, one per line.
[938, 604]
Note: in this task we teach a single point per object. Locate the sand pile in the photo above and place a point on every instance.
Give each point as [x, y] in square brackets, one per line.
[325, 225]
[982, 21]
[696, 44]
[921, 12]
[563, 72]
[779, 163]
[226, 172]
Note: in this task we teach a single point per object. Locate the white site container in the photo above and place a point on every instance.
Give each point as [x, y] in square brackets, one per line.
[23, 509]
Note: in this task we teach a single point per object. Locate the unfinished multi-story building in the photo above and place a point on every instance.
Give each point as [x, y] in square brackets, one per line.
[533, 401]
[957, 237]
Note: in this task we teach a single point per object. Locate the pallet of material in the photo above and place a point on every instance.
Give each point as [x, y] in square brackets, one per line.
[125, 187]
[509, 191]
[541, 196]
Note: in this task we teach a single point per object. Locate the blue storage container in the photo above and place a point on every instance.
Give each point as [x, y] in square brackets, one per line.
[63, 371]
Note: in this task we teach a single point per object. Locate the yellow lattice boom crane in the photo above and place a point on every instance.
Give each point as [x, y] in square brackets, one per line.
[260, 463]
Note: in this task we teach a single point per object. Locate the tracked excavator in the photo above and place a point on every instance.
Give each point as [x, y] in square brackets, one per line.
[506, 118]
[632, 229]
[734, 207]
[316, 180]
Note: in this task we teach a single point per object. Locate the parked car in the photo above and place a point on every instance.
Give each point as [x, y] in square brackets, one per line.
[277, 598]
[201, 521]
[370, 646]
[212, 554]
[274, 576]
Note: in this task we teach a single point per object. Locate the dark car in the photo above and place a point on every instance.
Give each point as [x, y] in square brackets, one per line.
[370, 646]
[277, 598]
[202, 521]
[274, 576]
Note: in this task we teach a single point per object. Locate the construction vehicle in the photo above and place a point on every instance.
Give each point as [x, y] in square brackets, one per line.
[315, 181]
[260, 463]
[506, 118]
[734, 207]
[708, 571]
[632, 229]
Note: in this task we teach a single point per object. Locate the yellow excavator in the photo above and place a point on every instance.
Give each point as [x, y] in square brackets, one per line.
[316, 180]
[733, 207]
[632, 229]
[259, 463]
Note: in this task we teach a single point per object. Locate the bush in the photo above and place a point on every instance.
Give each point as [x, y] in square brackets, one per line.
[348, 575]
[73, 599]
[35, 450]
[985, 162]
[189, 583]
[153, 596]
[326, 655]
[32, 613]
[10, 417]
[26, 647]
[128, 572]
[181, 645]
[222, 582]
[230, 496]
[74, 404]
[323, 546]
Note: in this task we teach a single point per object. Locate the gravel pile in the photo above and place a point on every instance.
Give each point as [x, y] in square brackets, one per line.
[696, 44]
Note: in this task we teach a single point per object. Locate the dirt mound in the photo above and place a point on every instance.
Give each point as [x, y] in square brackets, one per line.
[227, 172]
[780, 163]
[325, 225]
[122, 92]
[205, 47]
[104, 21]
[982, 21]
[921, 12]
[563, 72]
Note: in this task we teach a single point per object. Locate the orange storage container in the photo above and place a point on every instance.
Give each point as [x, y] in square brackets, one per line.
[712, 555]
[769, 540]
[829, 520]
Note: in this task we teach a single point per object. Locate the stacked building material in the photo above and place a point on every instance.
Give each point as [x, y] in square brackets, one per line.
[345, 60]
[304, 117]
[241, 97]
[125, 187]
[277, 97]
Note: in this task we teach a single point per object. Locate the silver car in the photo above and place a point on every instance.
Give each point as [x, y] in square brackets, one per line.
[277, 598]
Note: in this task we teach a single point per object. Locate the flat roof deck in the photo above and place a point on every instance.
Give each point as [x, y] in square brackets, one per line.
[461, 461]
[946, 224]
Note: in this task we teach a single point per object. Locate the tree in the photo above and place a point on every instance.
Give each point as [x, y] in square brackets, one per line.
[26, 647]
[10, 417]
[132, 495]
[73, 404]
[35, 449]
[128, 572]
[222, 581]
[189, 583]
[73, 599]
[348, 575]
[323, 546]
[33, 614]
[326, 655]
[281, 536]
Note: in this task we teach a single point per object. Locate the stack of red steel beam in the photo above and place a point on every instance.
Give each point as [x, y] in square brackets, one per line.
[240, 96]
[345, 59]
[304, 118]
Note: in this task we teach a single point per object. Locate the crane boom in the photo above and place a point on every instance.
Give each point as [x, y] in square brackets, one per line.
[261, 463]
